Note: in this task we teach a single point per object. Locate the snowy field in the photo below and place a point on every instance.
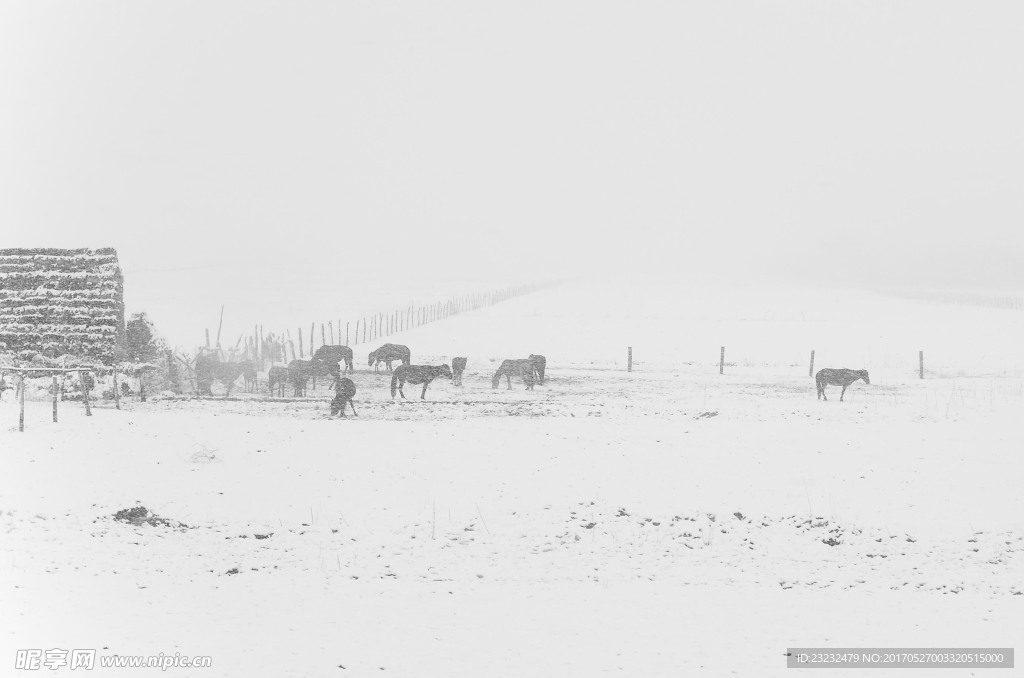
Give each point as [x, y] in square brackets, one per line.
[665, 522]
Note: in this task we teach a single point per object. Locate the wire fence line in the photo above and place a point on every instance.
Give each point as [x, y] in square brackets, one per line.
[269, 348]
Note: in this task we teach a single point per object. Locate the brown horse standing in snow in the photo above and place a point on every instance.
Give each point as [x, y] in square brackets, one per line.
[209, 368]
[526, 369]
[387, 354]
[458, 367]
[843, 377]
[417, 374]
[299, 372]
[344, 391]
[277, 377]
[540, 363]
[335, 354]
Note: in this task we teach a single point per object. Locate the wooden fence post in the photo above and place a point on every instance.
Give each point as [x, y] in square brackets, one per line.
[21, 402]
[330, 323]
[117, 395]
[346, 331]
[721, 362]
[364, 330]
[810, 372]
[220, 324]
[85, 393]
[920, 358]
[629, 359]
[301, 353]
[53, 389]
[323, 335]
[312, 335]
[142, 385]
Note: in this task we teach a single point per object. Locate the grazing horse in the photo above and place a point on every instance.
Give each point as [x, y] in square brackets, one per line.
[324, 368]
[344, 390]
[206, 364]
[526, 369]
[299, 372]
[249, 375]
[229, 374]
[388, 353]
[540, 363]
[209, 369]
[417, 374]
[335, 354]
[278, 376]
[843, 377]
[458, 367]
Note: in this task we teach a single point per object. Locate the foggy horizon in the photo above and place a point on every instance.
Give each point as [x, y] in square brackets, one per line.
[232, 149]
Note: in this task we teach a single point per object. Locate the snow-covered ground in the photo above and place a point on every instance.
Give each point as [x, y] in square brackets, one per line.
[669, 521]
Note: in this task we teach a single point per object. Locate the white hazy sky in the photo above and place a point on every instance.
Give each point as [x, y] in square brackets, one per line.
[226, 148]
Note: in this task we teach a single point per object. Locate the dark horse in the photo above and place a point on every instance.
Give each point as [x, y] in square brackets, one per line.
[278, 376]
[526, 369]
[417, 374]
[843, 377]
[388, 353]
[299, 372]
[344, 390]
[458, 367]
[335, 354]
[540, 363]
[249, 375]
[209, 368]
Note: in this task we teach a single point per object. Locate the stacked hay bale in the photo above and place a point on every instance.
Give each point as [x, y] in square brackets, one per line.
[56, 302]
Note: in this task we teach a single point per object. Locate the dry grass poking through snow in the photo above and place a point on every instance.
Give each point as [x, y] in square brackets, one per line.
[604, 521]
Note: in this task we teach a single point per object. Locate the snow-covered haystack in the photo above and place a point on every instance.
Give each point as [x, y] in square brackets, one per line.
[55, 302]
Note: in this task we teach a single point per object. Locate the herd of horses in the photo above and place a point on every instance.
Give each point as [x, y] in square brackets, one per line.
[335, 361]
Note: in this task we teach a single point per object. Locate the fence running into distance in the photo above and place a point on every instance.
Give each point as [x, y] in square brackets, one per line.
[281, 347]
